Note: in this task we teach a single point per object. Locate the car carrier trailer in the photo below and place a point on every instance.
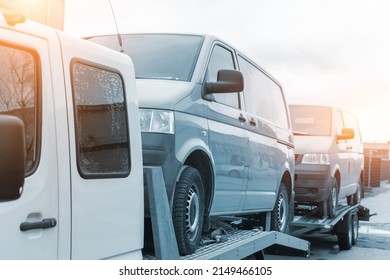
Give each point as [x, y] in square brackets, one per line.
[221, 244]
[344, 224]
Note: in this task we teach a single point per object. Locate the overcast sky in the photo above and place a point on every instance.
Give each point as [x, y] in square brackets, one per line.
[321, 51]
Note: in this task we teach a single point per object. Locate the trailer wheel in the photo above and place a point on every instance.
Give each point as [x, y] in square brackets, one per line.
[345, 236]
[188, 210]
[355, 228]
[280, 214]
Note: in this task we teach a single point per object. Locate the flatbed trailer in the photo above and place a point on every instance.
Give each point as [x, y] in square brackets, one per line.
[227, 244]
[344, 224]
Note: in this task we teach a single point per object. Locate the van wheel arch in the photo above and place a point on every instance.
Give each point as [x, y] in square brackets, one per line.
[201, 161]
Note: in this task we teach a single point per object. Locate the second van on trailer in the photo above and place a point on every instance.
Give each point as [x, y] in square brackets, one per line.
[329, 157]
[218, 126]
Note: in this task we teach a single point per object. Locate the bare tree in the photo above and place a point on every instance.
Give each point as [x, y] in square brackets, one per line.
[17, 91]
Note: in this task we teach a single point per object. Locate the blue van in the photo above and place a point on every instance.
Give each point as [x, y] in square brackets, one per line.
[217, 124]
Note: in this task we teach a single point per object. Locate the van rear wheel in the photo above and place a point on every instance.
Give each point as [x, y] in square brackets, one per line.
[188, 210]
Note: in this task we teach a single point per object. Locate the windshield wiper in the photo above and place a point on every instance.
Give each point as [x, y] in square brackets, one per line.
[300, 133]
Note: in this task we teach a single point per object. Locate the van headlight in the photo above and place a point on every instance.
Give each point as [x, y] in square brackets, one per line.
[159, 121]
[315, 159]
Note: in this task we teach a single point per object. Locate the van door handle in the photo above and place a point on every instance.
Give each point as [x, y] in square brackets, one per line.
[241, 118]
[46, 223]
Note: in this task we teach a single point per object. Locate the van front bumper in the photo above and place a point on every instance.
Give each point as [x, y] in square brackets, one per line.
[159, 150]
[312, 183]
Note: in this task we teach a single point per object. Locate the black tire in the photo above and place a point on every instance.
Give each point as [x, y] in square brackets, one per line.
[333, 199]
[188, 210]
[345, 239]
[280, 213]
[355, 228]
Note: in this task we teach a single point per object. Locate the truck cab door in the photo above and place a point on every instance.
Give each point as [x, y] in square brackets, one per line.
[106, 156]
[29, 223]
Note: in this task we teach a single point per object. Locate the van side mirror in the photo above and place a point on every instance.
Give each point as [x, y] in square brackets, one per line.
[12, 157]
[227, 81]
[346, 133]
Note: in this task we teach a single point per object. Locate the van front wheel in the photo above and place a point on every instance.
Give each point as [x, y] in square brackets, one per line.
[280, 214]
[188, 210]
[333, 199]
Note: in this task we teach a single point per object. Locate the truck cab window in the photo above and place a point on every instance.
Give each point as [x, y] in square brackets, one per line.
[101, 122]
[18, 94]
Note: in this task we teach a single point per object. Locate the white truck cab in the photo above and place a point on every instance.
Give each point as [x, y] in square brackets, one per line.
[71, 184]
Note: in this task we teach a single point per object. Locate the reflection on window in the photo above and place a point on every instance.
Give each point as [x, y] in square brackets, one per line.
[18, 94]
[158, 56]
[263, 97]
[311, 120]
[101, 122]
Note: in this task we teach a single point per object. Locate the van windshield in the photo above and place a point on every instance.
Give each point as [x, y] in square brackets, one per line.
[158, 56]
[311, 120]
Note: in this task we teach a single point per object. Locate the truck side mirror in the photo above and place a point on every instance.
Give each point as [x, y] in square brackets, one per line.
[12, 157]
[228, 80]
[346, 133]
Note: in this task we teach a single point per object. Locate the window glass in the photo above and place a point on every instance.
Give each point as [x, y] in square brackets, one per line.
[101, 122]
[221, 58]
[311, 120]
[279, 110]
[339, 123]
[158, 56]
[351, 122]
[263, 97]
[18, 95]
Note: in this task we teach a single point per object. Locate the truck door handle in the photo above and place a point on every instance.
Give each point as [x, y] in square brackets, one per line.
[46, 223]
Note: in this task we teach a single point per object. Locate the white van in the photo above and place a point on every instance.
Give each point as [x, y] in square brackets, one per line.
[329, 158]
[217, 124]
[71, 178]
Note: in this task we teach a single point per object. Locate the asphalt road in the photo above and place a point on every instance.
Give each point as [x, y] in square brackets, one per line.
[374, 236]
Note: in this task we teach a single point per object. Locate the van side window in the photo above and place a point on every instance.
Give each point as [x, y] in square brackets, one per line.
[221, 58]
[263, 97]
[101, 122]
[19, 93]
